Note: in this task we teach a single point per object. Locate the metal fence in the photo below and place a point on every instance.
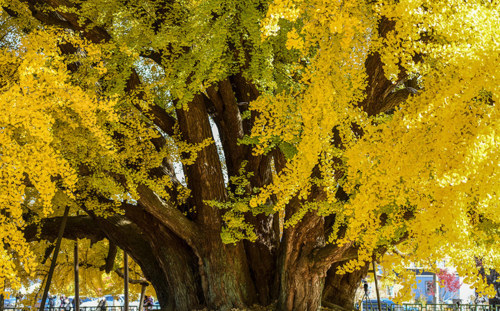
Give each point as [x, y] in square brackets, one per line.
[370, 306]
[108, 308]
[373, 306]
[452, 307]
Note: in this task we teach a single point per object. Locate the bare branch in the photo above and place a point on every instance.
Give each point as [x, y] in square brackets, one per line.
[141, 281]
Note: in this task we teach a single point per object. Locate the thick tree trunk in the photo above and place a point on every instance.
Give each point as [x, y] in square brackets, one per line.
[262, 257]
[301, 279]
[225, 276]
[305, 259]
[341, 289]
[300, 289]
[179, 265]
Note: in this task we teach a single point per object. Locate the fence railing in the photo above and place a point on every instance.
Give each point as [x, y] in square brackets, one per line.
[373, 306]
[91, 308]
[370, 306]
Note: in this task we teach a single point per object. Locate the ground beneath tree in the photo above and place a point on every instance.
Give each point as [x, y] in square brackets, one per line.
[326, 307]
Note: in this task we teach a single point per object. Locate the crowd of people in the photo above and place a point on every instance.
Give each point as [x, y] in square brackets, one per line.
[148, 303]
[64, 303]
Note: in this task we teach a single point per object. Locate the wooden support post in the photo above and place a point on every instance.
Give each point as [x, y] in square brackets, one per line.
[125, 278]
[376, 286]
[141, 301]
[54, 258]
[77, 279]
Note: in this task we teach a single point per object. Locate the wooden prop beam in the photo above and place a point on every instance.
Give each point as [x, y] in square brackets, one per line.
[54, 258]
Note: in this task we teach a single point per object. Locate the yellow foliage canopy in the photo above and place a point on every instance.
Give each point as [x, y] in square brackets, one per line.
[435, 156]
[419, 160]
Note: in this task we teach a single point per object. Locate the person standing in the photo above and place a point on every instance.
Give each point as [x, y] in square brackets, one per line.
[52, 301]
[101, 306]
[67, 304]
[148, 302]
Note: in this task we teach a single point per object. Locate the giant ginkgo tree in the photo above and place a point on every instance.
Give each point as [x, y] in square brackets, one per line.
[248, 151]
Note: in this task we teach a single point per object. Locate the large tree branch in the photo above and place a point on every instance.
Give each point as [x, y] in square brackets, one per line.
[380, 95]
[77, 227]
[164, 211]
[225, 102]
[159, 116]
[170, 216]
[96, 34]
[156, 113]
[158, 251]
[110, 259]
[329, 253]
[205, 178]
[229, 123]
[47, 19]
[396, 98]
